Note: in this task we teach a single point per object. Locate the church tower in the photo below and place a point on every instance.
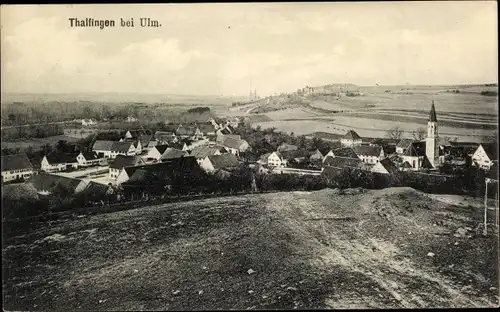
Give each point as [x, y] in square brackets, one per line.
[431, 141]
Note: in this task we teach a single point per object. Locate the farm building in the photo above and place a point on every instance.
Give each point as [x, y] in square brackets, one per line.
[173, 153]
[385, 166]
[47, 184]
[271, 160]
[369, 154]
[110, 149]
[206, 129]
[221, 137]
[55, 162]
[164, 137]
[484, 156]
[219, 162]
[341, 152]
[235, 146]
[86, 159]
[16, 167]
[415, 156]
[342, 162]
[351, 139]
[201, 152]
[122, 161]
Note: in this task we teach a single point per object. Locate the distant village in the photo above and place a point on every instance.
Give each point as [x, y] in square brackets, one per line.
[218, 149]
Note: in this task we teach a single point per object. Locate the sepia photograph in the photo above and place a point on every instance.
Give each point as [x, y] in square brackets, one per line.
[250, 156]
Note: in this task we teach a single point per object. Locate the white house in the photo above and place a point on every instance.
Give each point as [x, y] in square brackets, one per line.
[385, 166]
[86, 159]
[274, 159]
[484, 156]
[58, 162]
[351, 139]
[369, 154]
[16, 167]
[235, 146]
[131, 119]
[88, 122]
[403, 146]
[219, 162]
[121, 162]
[109, 149]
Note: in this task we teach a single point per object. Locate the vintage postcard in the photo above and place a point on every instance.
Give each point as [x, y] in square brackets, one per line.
[225, 156]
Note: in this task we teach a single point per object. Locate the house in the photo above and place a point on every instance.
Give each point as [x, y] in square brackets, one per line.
[315, 155]
[179, 145]
[235, 146]
[130, 119]
[171, 127]
[385, 166]
[135, 134]
[173, 153]
[221, 137]
[201, 152]
[59, 162]
[342, 162]
[403, 146]
[188, 131]
[484, 156]
[213, 122]
[369, 154]
[165, 137]
[16, 167]
[122, 161]
[206, 129]
[351, 139]
[168, 171]
[287, 147]
[223, 131]
[86, 159]
[156, 152]
[47, 184]
[274, 159]
[341, 152]
[109, 149]
[219, 162]
[145, 139]
[416, 156]
[233, 122]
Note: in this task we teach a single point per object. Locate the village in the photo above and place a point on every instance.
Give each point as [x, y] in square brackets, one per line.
[217, 149]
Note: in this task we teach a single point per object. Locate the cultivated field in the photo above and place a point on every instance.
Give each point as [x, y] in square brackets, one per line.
[38, 143]
[467, 115]
[381, 249]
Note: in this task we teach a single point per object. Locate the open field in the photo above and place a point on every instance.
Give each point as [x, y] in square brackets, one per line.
[263, 251]
[38, 143]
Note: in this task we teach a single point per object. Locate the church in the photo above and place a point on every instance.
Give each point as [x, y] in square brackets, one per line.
[425, 154]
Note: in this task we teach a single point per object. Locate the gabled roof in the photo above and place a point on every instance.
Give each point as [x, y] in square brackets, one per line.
[225, 131]
[233, 136]
[177, 145]
[300, 153]
[344, 152]
[103, 145]
[432, 114]
[186, 130]
[56, 158]
[389, 165]
[406, 164]
[367, 150]
[121, 147]
[46, 181]
[490, 150]
[15, 162]
[416, 149]
[232, 143]
[122, 161]
[97, 189]
[164, 171]
[263, 158]
[341, 162]
[171, 127]
[223, 161]
[203, 151]
[173, 153]
[144, 139]
[164, 135]
[351, 135]
[206, 127]
[161, 148]
[90, 155]
[404, 143]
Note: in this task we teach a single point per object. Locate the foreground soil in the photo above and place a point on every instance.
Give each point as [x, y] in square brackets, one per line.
[379, 249]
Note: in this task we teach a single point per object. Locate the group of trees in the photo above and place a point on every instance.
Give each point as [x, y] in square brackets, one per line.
[32, 132]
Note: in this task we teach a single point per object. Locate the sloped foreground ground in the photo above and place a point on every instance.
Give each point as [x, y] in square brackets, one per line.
[293, 250]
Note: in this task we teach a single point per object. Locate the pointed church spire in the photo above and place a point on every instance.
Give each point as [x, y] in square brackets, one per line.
[432, 115]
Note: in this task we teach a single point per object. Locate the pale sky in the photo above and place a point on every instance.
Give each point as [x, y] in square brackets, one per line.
[213, 49]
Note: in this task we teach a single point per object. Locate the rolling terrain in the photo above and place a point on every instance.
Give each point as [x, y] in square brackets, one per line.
[379, 249]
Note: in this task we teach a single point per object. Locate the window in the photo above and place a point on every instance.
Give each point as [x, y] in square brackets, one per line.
[413, 164]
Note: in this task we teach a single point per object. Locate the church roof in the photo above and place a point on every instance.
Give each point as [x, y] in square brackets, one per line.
[432, 115]
[351, 135]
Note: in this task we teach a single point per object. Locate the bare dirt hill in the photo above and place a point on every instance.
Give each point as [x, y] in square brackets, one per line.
[388, 248]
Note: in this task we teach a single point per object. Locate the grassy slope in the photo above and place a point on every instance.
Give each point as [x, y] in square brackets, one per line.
[196, 255]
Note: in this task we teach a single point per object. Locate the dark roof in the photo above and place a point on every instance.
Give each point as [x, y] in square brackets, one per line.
[171, 127]
[144, 139]
[177, 145]
[404, 143]
[122, 147]
[122, 161]
[406, 164]
[103, 145]
[173, 153]
[186, 130]
[161, 148]
[223, 161]
[164, 171]
[367, 150]
[203, 151]
[301, 153]
[231, 128]
[389, 165]
[351, 135]
[15, 162]
[416, 149]
[97, 189]
[206, 127]
[225, 131]
[233, 136]
[90, 155]
[232, 143]
[46, 181]
[345, 152]
[382, 141]
[491, 150]
[432, 114]
[341, 162]
[56, 158]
